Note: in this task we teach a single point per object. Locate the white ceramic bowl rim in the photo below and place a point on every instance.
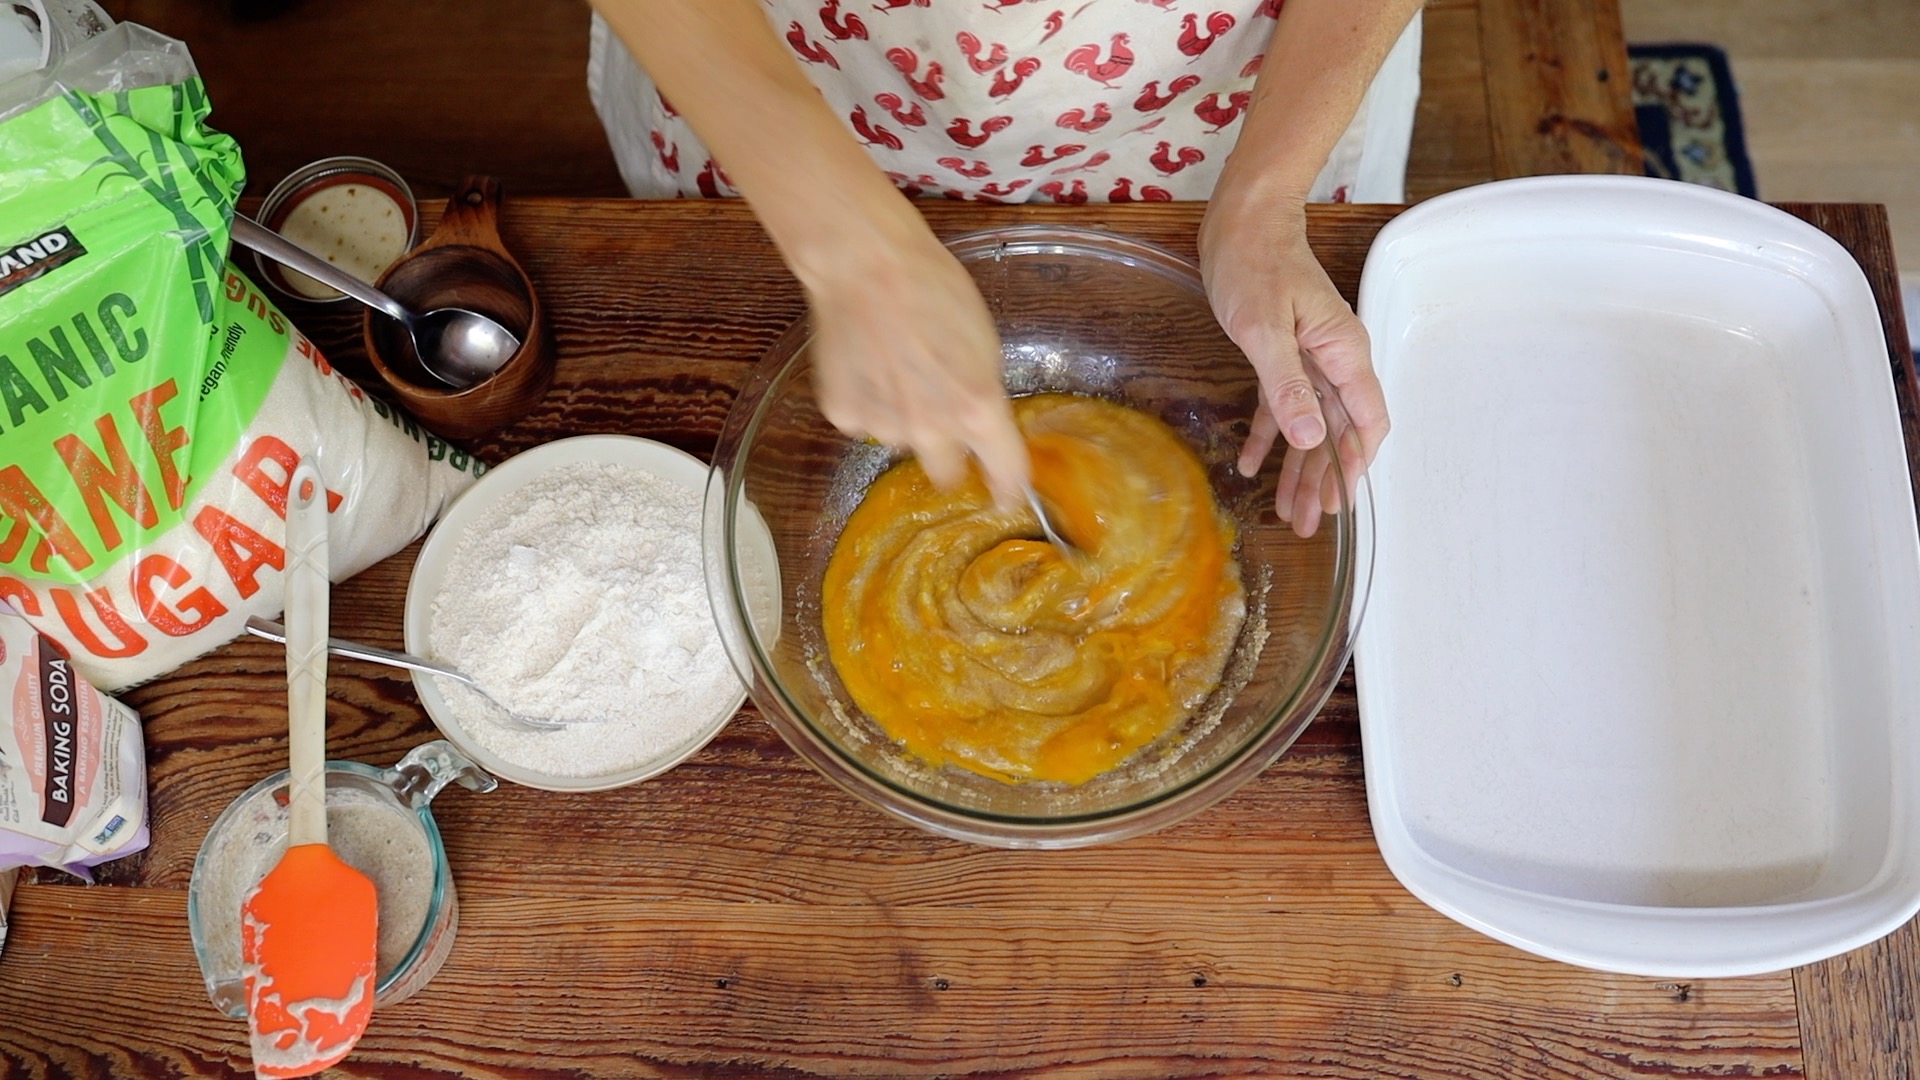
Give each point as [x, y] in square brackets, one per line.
[666, 462]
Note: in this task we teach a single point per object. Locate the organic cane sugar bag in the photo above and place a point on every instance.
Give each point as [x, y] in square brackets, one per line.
[73, 781]
[153, 403]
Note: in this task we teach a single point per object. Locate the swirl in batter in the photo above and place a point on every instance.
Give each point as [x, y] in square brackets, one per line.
[975, 644]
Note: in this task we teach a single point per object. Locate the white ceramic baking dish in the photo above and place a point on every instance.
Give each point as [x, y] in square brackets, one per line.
[1639, 683]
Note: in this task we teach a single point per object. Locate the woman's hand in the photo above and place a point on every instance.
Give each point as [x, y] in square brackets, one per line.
[1268, 290]
[905, 352]
[904, 349]
[1275, 301]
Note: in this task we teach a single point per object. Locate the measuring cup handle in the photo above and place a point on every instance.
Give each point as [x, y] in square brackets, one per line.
[427, 768]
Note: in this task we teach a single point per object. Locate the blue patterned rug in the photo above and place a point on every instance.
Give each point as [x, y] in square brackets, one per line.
[1689, 114]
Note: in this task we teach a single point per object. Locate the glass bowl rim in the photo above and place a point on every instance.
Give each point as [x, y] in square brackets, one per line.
[725, 496]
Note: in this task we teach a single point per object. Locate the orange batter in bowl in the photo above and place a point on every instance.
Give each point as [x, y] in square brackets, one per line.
[975, 644]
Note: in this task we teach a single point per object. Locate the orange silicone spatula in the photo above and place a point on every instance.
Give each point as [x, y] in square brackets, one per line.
[308, 931]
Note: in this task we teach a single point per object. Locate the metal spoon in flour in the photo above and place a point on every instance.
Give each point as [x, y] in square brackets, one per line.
[353, 650]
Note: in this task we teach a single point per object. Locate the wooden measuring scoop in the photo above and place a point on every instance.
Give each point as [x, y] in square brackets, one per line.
[308, 931]
[465, 264]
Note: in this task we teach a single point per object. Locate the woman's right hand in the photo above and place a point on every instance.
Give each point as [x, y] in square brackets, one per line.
[905, 352]
[904, 349]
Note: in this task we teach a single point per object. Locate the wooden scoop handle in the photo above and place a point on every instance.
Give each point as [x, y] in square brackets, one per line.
[472, 216]
[307, 618]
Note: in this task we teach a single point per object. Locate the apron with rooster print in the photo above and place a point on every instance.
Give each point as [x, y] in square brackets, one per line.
[1071, 101]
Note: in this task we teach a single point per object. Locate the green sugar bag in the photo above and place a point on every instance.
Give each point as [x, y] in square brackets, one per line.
[153, 403]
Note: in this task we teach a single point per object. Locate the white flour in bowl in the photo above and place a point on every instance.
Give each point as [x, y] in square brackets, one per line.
[581, 597]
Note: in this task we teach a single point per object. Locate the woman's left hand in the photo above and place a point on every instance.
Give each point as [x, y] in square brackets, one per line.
[1276, 302]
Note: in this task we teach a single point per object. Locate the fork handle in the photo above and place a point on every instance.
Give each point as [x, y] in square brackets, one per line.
[353, 650]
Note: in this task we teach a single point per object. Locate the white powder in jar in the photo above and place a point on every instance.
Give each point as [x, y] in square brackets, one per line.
[357, 227]
[580, 597]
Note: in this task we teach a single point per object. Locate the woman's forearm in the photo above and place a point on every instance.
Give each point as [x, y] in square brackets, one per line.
[1322, 58]
[723, 68]
[904, 349]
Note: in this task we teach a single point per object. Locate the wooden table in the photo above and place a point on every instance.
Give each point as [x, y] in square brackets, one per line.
[740, 916]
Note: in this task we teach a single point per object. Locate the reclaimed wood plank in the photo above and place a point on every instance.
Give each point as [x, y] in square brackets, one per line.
[683, 297]
[1559, 98]
[551, 977]
[1452, 134]
[1858, 1011]
[751, 821]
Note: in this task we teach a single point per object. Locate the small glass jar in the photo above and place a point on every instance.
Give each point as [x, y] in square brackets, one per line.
[354, 212]
[377, 820]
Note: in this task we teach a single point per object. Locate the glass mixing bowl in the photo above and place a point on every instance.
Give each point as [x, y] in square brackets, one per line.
[1083, 312]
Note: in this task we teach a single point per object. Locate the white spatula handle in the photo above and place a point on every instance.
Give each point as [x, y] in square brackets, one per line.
[307, 615]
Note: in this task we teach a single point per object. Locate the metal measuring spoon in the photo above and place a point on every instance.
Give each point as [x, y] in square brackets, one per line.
[353, 650]
[456, 346]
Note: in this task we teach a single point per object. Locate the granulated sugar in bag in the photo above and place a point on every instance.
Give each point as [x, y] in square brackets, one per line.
[153, 403]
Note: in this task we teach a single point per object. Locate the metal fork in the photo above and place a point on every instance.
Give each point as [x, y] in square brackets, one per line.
[353, 650]
[1046, 525]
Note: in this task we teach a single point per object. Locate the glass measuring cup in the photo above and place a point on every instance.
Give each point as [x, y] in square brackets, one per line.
[377, 817]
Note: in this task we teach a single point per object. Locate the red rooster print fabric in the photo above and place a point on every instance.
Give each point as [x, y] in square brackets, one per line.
[1069, 101]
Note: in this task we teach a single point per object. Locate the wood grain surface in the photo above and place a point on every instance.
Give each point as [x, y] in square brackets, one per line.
[1452, 142]
[740, 916]
[1858, 1011]
[581, 981]
[1559, 98]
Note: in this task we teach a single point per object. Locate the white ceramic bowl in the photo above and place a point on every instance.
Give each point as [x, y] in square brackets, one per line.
[429, 576]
